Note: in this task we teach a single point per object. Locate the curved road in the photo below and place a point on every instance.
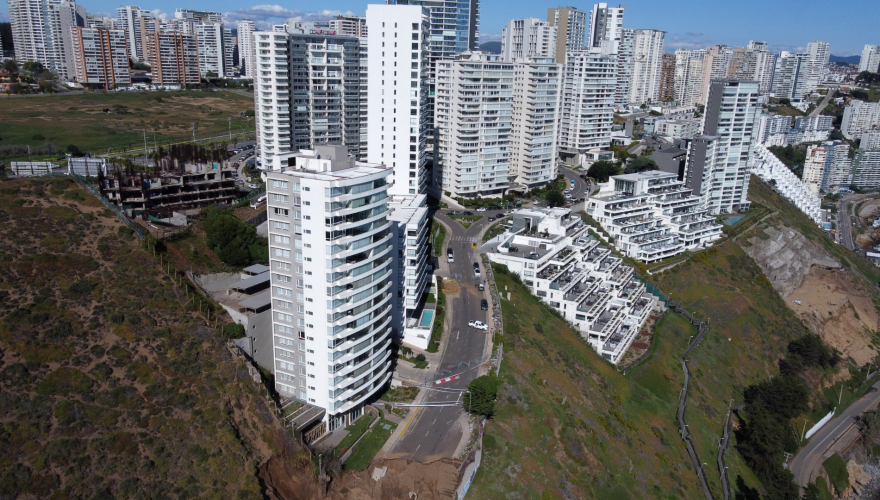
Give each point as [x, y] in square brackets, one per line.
[433, 433]
[810, 456]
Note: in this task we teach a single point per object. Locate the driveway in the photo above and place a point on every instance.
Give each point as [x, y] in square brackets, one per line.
[432, 433]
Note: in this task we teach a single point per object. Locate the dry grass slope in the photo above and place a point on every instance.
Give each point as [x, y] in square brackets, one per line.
[110, 386]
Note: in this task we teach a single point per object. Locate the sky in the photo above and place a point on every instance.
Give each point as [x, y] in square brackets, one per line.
[784, 24]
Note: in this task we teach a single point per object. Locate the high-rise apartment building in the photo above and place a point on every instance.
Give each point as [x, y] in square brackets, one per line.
[571, 27]
[496, 123]
[731, 118]
[215, 49]
[606, 24]
[529, 37]
[398, 118]
[790, 77]
[827, 165]
[41, 32]
[667, 77]
[188, 19]
[716, 64]
[625, 54]
[688, 77]
[246, 54]
[647, 66]
[355, 26]
[101, 57]
[454, 25]
[331, 301]
[127, 18]
[870, 59]
[174, 58]
[586, 111]
[754, 62]
[870, 140]
[866, 162]
[859, 117]
[818, 54]
[308, 92]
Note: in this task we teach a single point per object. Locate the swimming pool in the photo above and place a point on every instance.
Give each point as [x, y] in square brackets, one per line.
[427, 316]
[732, 220]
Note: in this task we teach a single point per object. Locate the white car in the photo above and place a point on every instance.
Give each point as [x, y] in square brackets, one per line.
[479, 325]
[253, 186]
[481, 209]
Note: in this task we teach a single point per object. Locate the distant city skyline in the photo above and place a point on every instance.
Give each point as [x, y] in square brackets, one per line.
[784, 24]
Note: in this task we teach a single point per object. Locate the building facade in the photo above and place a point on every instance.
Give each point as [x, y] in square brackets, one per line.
[667, 77]
[589, 84]
[870, 59]
[174, 58]
[688, 77]
[828, 165]
[247, 56]
[41, 33]
[399, 119]
[496, 123]
[101, 57]
[331, 301]
[647, 66]
[355, 26]
[454, 27]
[732, 113]
[529, 37]
[215, 49]
[571, 27]
[127, 18]
[859, 117]
[606, 25]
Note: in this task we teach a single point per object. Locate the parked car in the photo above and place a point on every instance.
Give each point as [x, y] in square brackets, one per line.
[479, 325]
[481, 209]
[477, 272]
[484, 305]
[468, 213]
[513, 249]
[491, 219]
[253, 186]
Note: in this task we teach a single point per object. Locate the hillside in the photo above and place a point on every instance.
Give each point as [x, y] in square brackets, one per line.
[111, 386]
[569, 425]
[834, 285]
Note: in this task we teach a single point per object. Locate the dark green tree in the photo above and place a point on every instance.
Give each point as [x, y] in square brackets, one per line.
[73, 150]
[555, 198]
[481, 395]
[640, 164]
[235, 242]
[601, 170]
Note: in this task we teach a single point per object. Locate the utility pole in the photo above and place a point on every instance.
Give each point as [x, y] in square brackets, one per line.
[230, 127]
[840, 398]
[803, 432]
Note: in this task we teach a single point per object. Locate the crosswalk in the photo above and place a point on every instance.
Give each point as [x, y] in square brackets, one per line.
[462, 238]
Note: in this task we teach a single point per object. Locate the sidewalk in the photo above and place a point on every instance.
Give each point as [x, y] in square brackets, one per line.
[454, 205]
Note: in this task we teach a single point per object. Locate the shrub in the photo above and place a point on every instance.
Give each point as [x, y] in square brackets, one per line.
[481, 395]
[64, 381]
[235, 242]
[233, 331]
[837, 474]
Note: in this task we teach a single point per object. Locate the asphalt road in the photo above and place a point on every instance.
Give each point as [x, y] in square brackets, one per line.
[845, 219]
[810, 457]
[821, 106]
[434, 432]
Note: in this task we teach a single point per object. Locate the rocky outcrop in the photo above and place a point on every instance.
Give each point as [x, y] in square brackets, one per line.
[786, 256]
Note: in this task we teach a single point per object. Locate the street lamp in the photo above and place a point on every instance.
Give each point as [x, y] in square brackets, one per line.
[701, 469]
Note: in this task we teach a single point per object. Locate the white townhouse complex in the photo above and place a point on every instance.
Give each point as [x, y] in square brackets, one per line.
[652, 215]
[786, 183]
[496, 123]
[331, 302]
[551, 251]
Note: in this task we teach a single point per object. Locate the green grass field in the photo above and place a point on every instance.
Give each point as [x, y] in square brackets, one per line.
[80, 120]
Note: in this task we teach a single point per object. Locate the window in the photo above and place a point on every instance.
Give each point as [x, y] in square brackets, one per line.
[284, 240]
[282, 278]
[281, 226]
[279, 184]
[280, 252]
[279, 198]
[282, 353]
[283, 341]
[280, 211]
[282, 304]
[284, 292]
[277, 264]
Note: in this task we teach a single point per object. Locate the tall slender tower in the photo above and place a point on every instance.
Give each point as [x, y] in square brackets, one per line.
[246, 51]
[571, 26]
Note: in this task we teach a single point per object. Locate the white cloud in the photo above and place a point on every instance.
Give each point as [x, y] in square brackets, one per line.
[489, 37]
[264, 16]
[158, 14]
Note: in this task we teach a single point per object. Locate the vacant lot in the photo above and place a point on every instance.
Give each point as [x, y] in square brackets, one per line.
[80, 119]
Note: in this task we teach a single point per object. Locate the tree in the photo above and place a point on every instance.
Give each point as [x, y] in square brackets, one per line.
[602, 169]
[555, 198]
[33, 67]
[72, 150]
[870, 425]
[640, 164]
[38, 137]
[235, 242]
[481, 395]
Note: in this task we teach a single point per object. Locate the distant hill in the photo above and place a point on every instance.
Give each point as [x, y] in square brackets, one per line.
[841, 59]
[495, 47]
